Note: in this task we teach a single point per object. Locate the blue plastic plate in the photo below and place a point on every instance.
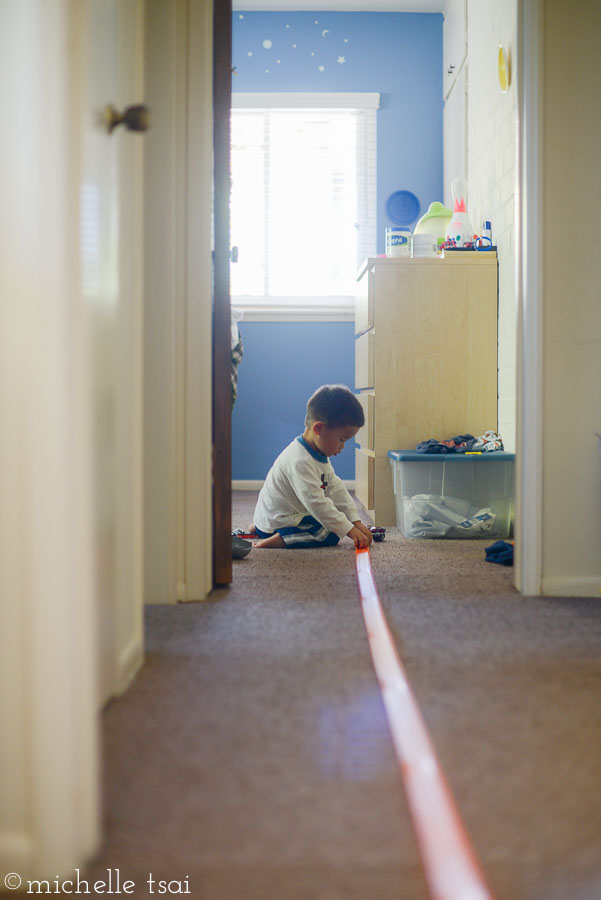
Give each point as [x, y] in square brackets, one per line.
[403, 208]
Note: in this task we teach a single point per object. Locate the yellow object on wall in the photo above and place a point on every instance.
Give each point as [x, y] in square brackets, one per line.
[503, 69]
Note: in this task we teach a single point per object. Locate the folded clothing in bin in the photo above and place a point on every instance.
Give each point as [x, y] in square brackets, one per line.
[431, 515]
[463, 443]
[452, 495]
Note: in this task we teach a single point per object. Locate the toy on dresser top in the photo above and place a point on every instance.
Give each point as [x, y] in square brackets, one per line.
[459, 234]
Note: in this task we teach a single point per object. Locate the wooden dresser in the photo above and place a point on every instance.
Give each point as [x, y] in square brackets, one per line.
[425, 360]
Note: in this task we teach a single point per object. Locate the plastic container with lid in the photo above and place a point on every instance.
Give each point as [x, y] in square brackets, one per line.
[435, 221]
[424, 245]
[453, 495]
[398, 241]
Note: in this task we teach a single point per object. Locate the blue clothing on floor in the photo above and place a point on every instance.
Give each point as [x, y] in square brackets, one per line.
[500, 552]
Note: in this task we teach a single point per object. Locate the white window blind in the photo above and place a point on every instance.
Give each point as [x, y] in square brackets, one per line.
[303, 196]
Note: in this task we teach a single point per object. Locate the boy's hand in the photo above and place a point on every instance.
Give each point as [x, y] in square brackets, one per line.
[359, 524]
[360, 535]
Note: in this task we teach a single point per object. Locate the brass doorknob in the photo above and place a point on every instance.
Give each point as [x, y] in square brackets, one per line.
[135, 118]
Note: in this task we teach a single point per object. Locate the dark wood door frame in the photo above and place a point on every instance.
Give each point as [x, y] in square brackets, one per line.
[222, 354]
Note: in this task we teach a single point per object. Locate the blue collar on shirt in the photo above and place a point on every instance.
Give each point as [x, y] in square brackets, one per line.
[314, 453]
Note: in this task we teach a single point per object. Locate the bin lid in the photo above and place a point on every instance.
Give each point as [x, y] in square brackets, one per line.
[416, 456]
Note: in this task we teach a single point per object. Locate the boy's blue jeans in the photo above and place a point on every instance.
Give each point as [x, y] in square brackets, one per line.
[308, 533]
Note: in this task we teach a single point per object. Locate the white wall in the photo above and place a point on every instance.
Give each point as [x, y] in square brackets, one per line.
[571, 486]
[491, 173]
[49, 797]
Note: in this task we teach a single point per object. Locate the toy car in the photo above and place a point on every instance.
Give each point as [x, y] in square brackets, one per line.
[378, 533]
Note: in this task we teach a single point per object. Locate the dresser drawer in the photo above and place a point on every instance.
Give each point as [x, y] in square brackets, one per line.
[364, 304]
[365, 435]
[364, 361]
[364, 478]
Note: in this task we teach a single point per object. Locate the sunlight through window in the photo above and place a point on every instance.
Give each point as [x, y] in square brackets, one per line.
[303, 200]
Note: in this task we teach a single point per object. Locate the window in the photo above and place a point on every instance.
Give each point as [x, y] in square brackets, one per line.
[303, 198]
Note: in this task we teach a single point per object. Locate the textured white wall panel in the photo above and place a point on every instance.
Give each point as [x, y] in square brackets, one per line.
[491, 173]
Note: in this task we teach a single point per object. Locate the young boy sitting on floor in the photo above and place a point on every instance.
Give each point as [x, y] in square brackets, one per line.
[303, 503]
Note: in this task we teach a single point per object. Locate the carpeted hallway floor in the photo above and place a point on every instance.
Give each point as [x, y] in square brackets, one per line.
[252, 755]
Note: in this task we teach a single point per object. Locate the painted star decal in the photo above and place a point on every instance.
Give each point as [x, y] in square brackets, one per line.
[341, 60]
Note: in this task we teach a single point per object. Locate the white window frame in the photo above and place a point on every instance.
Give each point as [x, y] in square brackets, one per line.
[331, 308]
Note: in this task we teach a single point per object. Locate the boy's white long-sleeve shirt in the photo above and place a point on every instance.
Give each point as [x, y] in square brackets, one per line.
[303, 482]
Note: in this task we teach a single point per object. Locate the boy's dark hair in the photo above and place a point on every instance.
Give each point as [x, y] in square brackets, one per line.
[336, 406]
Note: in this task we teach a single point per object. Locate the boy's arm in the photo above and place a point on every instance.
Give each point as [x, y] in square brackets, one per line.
[320, 506]
[341, 498]
[361, 535]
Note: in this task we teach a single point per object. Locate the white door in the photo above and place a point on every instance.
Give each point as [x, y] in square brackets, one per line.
[70, 386]
[111, 253]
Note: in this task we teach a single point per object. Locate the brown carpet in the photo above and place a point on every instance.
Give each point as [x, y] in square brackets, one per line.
[252, 755]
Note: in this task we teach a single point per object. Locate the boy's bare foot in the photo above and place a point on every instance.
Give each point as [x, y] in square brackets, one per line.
[275, 541]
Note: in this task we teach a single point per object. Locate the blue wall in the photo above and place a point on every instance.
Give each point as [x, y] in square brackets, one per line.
[282, 365]
[398, 55]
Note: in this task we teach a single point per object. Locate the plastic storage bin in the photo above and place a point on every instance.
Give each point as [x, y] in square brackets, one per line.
[453, 495]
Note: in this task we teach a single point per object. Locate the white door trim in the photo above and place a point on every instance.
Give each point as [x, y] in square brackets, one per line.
[164, 301]
[178, 324]
[529, 263]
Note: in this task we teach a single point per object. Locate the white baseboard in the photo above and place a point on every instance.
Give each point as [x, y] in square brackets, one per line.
[16, 853]
[557, 586]
[130, 662]
[241, 485]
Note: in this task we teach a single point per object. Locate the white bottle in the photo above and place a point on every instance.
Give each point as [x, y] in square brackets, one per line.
[459, 228]
[486, 241]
